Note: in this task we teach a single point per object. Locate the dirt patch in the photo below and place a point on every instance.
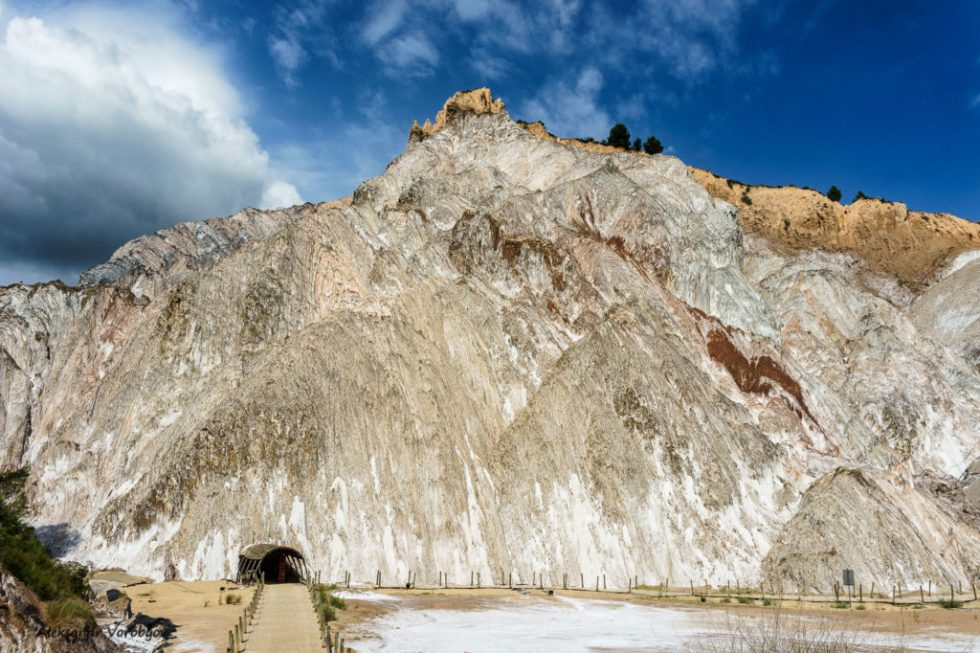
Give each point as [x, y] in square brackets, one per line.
[199, 610]
[910, 245]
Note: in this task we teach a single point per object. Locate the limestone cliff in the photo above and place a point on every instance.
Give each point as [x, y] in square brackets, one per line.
[507, 352]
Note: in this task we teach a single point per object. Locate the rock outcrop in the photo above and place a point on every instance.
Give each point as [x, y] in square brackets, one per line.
[508, 352]
[23, 629]
[909, 245]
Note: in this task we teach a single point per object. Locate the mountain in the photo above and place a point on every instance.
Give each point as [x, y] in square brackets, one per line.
[512, 351]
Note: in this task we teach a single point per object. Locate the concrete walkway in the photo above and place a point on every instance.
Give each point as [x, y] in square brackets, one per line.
[285, 622]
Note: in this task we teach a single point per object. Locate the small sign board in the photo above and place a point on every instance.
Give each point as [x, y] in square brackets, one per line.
[849, 577]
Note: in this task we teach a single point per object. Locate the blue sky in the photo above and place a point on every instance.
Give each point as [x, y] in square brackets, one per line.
[117, 119]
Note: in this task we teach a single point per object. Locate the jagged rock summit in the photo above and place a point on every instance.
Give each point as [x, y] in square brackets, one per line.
[509, 352]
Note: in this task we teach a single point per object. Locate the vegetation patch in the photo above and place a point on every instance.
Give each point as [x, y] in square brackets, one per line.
[327, 603]
[62, 587]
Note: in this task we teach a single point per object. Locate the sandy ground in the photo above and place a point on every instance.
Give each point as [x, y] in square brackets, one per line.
[202, 624]
[429, 619]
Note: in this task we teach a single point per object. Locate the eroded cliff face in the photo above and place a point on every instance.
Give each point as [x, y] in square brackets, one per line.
[507, 352]
[912, 246]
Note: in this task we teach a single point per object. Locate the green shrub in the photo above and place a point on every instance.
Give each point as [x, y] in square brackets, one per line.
[63, 586]
[859, 606]
[327, 603]
[767, 602]
[619, 136]
[950, 603]
[834, 194]
[744, 599]
[840, 604]
[726, 599]
[233, 599]
[653, 146]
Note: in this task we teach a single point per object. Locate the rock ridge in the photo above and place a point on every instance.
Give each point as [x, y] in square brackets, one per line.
[506, 352]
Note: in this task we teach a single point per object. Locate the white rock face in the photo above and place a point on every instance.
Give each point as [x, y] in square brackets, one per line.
[504, 354]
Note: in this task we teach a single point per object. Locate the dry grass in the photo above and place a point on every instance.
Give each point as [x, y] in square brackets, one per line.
[68, 614]
[780, 631]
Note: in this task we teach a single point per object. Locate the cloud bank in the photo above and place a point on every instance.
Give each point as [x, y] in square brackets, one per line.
[114, 123]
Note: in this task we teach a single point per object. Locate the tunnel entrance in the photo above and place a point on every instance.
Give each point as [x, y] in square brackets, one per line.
[273, 563]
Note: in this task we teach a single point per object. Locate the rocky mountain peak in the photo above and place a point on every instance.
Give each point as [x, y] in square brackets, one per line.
[508, 351]
[478, 101]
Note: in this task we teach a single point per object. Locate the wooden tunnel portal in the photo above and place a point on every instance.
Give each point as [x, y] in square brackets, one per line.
[273, 563]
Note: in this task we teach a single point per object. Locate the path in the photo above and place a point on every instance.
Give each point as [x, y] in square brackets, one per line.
[285, 621]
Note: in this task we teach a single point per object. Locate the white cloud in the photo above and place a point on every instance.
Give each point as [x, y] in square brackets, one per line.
[489, 65]
[294, 28]
[279, 194]
[571, 110]
[411, 54]
[385, 19]
[114, 123]
[288, 54]
[694, 36]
